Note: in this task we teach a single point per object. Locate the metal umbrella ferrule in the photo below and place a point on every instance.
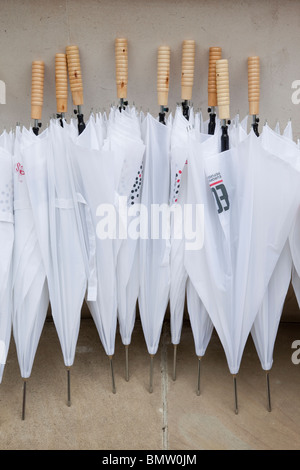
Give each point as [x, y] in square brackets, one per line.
[268, 392]
[127, 362]
[24, 399]
[112, 375]
[199, 374]
[174, 361]
[236, 408]
[151, 374]
[69, 386]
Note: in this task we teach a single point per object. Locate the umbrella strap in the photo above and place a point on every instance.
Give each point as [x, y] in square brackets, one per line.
[6, 217]
[92, 271]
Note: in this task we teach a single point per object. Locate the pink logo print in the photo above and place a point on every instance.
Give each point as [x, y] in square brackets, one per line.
[20, 170]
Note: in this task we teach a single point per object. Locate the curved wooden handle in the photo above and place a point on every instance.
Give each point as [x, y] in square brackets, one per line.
[121, 55]
[253, 84]
[215, 53]
[163, 74]
[61, 82]
[222, 77]
[37, 89]
[75, 77]
[187, 69]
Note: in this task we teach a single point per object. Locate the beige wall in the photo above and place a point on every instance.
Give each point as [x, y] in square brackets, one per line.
[38, 29]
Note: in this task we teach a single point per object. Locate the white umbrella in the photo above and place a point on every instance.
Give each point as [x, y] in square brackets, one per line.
[243, 236]
[125, 142]
[154, 247]
[154, 240]
[198, 316]
[30, 289]
[184, 117]
[265, 326]
[54, 208]
[177, 200]
[6, 243]
[90, 165]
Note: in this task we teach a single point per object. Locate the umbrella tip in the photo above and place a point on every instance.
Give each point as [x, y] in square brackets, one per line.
[151, 373]
[174, 361]
[112, 375]
[24, 399]
[268, 392]
[236, 410]
[126, 362]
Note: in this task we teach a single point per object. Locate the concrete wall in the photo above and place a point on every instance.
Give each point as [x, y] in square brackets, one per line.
[38, 29]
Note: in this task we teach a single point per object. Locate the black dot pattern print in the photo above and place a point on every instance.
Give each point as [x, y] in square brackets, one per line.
[135, 193]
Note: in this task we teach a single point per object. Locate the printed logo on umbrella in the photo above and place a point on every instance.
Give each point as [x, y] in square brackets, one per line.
[218, 188]
[20, 170]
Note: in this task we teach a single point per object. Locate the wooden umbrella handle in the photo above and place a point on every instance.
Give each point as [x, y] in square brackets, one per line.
[75, 76]
[61, 83]
[222, 77]
[121, 57]
[187, 69]
[163, 74]
[253, 84]
[215, 53]
[37, 89]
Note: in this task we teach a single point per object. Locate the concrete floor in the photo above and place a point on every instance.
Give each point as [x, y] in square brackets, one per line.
[173, 417]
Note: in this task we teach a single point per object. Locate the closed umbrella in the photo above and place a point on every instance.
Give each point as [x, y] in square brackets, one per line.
[30, 289]
[154, 247]
[125, 142]
[6, 244]
[53, 205]
[88, 161]
[243, 236]
[177, 196]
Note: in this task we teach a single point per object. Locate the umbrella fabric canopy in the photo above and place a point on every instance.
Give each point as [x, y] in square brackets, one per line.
[125, 142]
[154, 245]
[6, 244]
[178, 274]
[246, 227]
[90, 166]
[53, 205]
[265, 326]
[200, 321]
[30, 288]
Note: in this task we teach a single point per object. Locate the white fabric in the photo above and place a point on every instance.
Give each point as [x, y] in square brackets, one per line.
[52, 200]
[154, 253]
[93, 175]
[178, 274]
[125, 142]
[6, 247]
[265, 326]
[30, 288]
[244, 241]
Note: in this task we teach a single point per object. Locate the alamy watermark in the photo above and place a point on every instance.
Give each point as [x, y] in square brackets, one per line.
[296, 354]
[157, 222]
[296, 93]
[2, 352]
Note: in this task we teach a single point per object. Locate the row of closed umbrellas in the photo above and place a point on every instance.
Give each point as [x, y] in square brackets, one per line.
[54, 186]
[236, 191]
